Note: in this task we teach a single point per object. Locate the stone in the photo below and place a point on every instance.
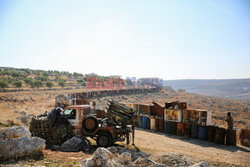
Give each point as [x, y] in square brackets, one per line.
[125, 157]
[159, 165]
[74, 144]
[14, 132]
[14, 148]
[123, 149]
[104, 151]
[23, 113]
[113, 149]
[55, 148]
[201, 164]
[101, 158]
[135, 156]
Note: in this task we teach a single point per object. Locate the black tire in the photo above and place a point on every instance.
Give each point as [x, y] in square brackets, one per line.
[104, 140]
[90, 124]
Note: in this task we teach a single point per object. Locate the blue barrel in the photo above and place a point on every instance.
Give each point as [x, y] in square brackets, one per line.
[195, 131]
[202, 132]
[144, 122]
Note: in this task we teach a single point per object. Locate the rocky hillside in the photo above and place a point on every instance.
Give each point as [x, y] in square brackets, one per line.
[17, 105]
[226, 88]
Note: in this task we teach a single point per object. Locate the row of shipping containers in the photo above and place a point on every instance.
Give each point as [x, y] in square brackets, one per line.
[174, 118]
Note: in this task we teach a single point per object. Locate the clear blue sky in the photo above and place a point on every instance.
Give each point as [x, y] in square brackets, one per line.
[171, 39]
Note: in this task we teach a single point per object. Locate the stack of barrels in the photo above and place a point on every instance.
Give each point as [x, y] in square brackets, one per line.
[176, 126]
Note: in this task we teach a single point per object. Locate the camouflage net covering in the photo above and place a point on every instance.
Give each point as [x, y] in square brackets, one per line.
[53, 132]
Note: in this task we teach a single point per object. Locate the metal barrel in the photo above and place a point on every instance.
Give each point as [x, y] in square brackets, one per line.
[203, 132]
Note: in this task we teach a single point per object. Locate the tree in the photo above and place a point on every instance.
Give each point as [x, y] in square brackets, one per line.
[28, 81]
[75, 74]
[15, 74]
[49, 84]
[42, 78]
[79, 81]
[3, 84]
[27, 71]
[9, 80]
[61, 82]
[84, 84]
[17, 84]
[58, 77]
[38, 84]
[69, 75]
[45, 74]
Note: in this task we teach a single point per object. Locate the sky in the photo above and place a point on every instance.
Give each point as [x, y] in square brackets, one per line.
[169, 39]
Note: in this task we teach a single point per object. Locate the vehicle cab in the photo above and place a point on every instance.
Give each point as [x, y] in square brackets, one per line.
[75, 114]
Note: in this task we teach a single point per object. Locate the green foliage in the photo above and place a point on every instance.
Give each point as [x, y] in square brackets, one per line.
[49, 84]
[79, 81]
[58, 76]
[45, 74]
[61, 82]
[29, 81]
[42, 78]
[5, 72]
[14, 74]
[37, 83]
[69, 75]
[37, 72]
[17, 84]
[3, 84]
[51, 72]
[9, 80]
[27, 71]
[84, 84]
[75, 74]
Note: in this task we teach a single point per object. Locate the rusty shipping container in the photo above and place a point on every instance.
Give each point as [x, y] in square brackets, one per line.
[148, 123]
[153, 123]
[211, 133]
[171, 127]
[187, 129]
[231, 137]
[195, 131]
[245, 137]
[160, 125]
[180, 129]
[220, 134]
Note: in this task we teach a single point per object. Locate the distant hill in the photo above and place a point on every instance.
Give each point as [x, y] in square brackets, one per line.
[226, 88]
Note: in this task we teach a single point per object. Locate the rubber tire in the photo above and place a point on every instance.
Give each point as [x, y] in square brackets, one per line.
[106, 137]
[94, 127]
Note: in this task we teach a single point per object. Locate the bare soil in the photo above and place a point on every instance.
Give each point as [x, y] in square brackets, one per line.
[157, 144]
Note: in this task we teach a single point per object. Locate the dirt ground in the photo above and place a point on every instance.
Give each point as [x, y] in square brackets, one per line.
[157, 144]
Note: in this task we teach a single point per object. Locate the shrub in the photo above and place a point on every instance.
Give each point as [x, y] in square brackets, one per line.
[42, 78]
[49, 84]
[17, 84]
[61, 82]
[28, 81]
[37, 83]
[84, 84]
[3, 84]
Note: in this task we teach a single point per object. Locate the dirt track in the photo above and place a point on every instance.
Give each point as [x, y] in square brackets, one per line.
[159, 144]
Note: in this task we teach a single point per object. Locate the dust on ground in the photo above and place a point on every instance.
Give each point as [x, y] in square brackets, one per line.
[160, 145]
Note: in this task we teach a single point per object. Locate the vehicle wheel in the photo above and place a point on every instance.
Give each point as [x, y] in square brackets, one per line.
[90, 124]
[104, 140]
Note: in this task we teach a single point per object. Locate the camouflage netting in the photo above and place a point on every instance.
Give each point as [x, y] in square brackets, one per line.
[54, 132]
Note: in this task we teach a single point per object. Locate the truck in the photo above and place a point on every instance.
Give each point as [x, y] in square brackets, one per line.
[117, 125]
